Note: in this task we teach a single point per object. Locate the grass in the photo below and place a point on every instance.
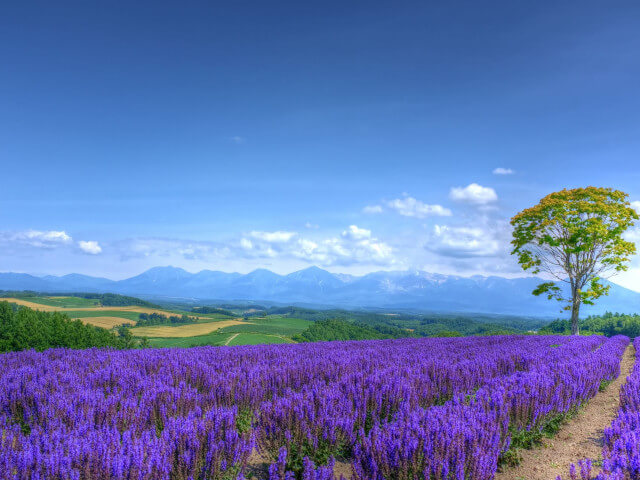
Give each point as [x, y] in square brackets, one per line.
[133, 316]
[527, 439]
[214, 339]
[257, 339]
[65, 302]
[217, 339]
[271, 325]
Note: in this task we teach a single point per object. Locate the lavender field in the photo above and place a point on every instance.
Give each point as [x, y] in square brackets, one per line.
[388, 409]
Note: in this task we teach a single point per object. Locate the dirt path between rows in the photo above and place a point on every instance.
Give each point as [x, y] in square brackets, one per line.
[580, 438]
[230, 339]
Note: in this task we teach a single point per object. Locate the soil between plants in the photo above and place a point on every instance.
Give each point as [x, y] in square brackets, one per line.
[579, 438]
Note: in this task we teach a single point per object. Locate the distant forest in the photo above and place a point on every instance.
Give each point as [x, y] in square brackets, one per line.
[395, 325]
[208, 310]
[609, 324]
[22, 328]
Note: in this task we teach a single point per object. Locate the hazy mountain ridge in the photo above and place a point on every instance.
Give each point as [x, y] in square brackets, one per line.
[400, 290]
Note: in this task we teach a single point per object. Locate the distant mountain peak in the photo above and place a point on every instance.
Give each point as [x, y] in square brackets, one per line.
[393, 290]
[167, 268]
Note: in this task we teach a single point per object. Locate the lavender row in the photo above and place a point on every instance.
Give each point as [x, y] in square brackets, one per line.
[465, 438]
[203, 413]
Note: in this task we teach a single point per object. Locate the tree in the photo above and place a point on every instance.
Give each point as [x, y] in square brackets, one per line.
[575, 236]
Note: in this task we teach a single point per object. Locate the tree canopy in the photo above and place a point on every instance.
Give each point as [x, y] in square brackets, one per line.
[576, 237]
[22, 328]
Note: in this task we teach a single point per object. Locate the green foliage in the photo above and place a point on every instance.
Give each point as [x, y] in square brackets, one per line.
[327, 330]
[529, 438]
[271, 325]
[609, 325]
[22, 328]
[150, 319]
[244, 420]
[446, 333]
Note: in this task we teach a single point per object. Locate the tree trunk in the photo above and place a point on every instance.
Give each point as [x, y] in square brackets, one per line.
[575, 313]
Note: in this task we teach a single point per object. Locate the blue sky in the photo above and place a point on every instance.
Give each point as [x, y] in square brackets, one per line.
[234, 135]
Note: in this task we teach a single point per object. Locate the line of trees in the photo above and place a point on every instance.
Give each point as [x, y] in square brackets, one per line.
[329, 330]
[22, 328]
[150, 319]
[609, 325]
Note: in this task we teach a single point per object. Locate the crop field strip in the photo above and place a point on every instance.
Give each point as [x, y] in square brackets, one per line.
[212, 339]
[435, 408]
[191, 330]
[256, 339]
[106, 322]
[134, 308]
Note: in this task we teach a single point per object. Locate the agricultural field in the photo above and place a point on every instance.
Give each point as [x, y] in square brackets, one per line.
[436, 408]
[183, 331]
[204, 329]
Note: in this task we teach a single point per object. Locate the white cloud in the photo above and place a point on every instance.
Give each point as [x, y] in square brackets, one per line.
[238, 140]
[503, 171]
[40, 239]
[372, 209]
[632, 235]
[91, 247]
[354, 246]
[311, 225]
[410, 207]
[470, 241]
[274, 237]
[636, 206]
[356, 233]
[474, 194]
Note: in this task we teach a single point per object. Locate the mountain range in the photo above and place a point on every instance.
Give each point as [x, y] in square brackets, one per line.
[410, 290]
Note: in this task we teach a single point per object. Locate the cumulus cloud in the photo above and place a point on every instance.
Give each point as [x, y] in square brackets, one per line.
[91, 247]
[474, 194]
[39, 239]
[274, 237]
[503, 171]
[636, 206]
[410, 207]
[372, 209]
[485, 238]
[463, 242]
[356, 233]
[355, 245]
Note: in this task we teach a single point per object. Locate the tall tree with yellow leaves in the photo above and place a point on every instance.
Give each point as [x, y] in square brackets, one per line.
[575, 236]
